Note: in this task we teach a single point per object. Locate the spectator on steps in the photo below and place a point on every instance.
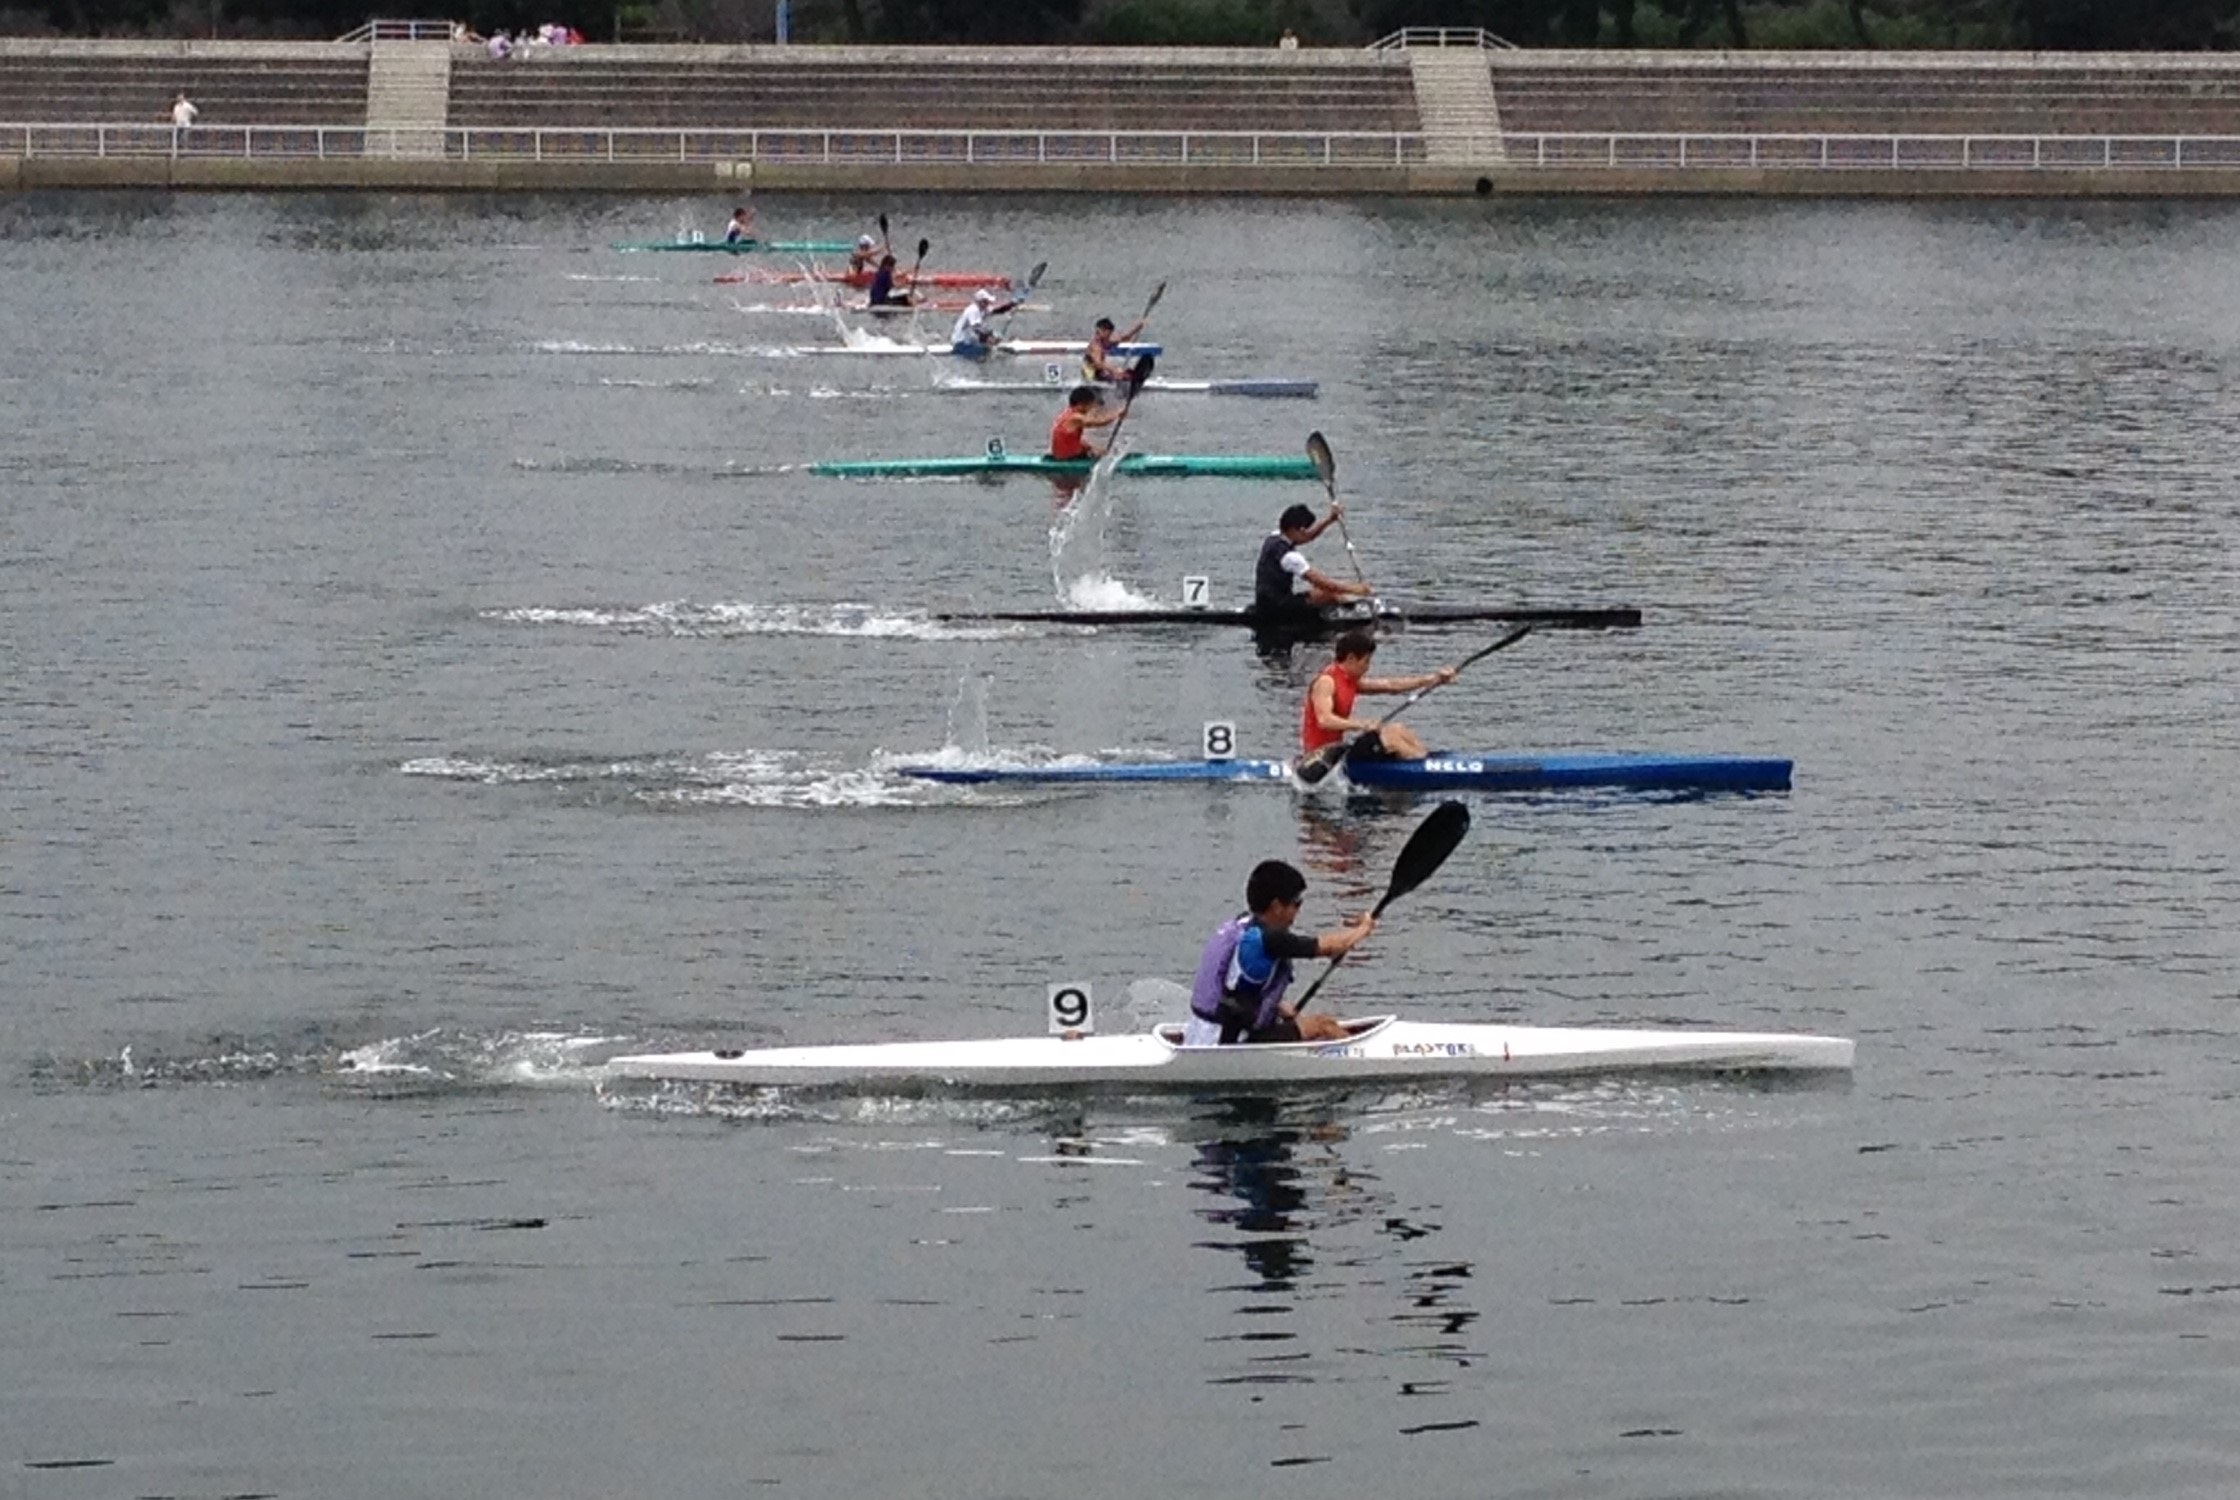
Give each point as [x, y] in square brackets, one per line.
[182, 120]
[501, 46]
[1289, 41]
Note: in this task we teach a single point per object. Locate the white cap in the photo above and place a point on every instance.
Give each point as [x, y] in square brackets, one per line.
[865, 242]
[984, 297]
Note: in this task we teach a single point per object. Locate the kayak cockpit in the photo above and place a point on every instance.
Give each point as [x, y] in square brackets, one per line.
[1356, 1030]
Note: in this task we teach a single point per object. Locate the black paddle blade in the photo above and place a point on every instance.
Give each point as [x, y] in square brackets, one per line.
[1156, 293]
[923, 247]
[1325, 462]
[1313, 770]
[1426, 850]
[1139, 373]
[1034, 277]
[882, 226]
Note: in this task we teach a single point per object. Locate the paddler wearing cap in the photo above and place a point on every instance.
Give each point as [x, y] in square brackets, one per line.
[972, 338]
[865, 257]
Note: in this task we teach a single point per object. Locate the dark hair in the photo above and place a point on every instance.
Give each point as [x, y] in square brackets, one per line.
[1271, 881]
[885, 261]
[1353, 643]
[1295, 518]
[1082, 395]
[1105, 324]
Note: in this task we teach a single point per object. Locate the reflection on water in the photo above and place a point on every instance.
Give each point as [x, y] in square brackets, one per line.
[1315, 1230]
[1253, 1161]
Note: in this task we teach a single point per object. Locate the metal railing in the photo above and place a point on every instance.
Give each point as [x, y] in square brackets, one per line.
[1181, 148]
[1570, 150]
[399, 31]
[1693, 151]
[1443, 36]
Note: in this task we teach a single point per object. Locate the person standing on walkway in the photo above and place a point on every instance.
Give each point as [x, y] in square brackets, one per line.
[182, 119]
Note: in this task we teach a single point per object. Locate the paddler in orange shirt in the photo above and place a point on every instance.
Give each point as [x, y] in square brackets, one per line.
[1327, 716]
[1069, 434]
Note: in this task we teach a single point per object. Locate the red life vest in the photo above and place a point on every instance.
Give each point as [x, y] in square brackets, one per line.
[1312, 736]
[1065, 436]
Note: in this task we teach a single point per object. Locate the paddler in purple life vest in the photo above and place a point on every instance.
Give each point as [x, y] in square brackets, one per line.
[1246, 967]
[1282, 566]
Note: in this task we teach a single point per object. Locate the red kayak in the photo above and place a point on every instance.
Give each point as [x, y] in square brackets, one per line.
[863, 278]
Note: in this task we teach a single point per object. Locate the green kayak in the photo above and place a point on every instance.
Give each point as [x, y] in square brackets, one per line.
[742, 247]
[1147, 465]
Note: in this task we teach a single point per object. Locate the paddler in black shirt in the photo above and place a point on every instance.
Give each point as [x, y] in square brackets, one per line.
[1275, 595]
[883, 293]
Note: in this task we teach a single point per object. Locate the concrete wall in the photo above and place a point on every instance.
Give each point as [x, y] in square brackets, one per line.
[225, 174]
[387, 175]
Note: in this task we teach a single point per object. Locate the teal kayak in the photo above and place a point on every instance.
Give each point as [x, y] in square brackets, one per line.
[742, 247]
[1145, 465]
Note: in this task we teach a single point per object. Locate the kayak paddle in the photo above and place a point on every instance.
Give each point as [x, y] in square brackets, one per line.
[1326, 464]
[1156, 293]
[911, 296]
[1427, 849]
[1138, 373]
[1019, 295]
[1311, 769]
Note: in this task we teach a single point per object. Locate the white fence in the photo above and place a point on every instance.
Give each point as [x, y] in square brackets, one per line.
[1572, 151]
[1852, 153]
[399, 31]
[1443, 36]
[1194, 148]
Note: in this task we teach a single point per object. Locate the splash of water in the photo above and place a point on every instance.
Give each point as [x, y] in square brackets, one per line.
[968, 712]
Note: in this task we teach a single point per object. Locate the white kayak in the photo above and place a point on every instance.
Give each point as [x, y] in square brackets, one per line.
[1377, 1048]
[1008, 349]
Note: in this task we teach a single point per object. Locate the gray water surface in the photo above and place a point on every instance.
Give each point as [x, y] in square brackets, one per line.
[429, 673]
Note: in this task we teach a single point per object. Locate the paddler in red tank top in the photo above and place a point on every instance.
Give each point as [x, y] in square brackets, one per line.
[1327, 716]
[1068, 435]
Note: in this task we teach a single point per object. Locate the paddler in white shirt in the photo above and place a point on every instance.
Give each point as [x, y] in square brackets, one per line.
[972, 338]
[741, 228]
[1276, 596]
[864, 259]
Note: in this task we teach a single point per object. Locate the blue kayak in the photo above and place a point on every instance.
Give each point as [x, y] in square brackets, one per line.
[1525, 771]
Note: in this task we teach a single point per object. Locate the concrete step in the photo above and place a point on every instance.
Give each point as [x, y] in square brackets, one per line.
[408, 91]
[1455, 100]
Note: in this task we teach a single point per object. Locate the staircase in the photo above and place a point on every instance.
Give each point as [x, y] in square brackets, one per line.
[408, 98]
[1454, 95]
